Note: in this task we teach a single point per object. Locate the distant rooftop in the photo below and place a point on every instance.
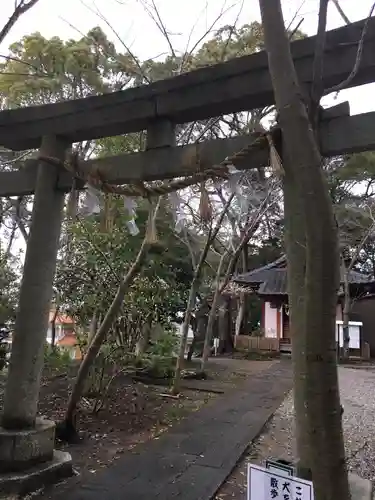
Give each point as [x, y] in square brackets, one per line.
[272, 278]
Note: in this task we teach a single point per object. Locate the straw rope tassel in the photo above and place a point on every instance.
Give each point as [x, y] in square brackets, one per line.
[275, 160]
[151, 233]
[205, 208]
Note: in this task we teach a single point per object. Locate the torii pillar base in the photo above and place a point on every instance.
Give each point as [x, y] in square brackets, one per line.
[28, 460]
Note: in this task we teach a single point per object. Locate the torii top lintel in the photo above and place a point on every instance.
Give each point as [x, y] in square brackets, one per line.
[237, 85]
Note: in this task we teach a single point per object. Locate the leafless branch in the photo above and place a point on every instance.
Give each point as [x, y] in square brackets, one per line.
[345, 83]
[190, 35]
[101, 16]
[20, 8]
[361, 244]
[292, 33]
[341, 12]
[211, 27]
[295, 16]
[153, 12]
[232, 30]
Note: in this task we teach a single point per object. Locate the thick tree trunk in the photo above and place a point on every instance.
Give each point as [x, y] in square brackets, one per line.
[295, 243]
[322, 415]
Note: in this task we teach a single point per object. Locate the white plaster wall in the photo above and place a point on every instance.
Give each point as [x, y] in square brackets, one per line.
[59, 333]
[270, 321]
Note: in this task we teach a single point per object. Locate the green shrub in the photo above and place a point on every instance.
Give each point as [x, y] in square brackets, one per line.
[56, 358]
[162, 366]
[165, 345]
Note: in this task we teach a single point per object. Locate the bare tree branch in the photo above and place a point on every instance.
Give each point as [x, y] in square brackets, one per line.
[101, 16]
[341, 12]
[345, 83]
[20, 8]
[153, 12]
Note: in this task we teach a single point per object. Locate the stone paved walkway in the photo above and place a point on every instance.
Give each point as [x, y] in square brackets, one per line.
[193, 459]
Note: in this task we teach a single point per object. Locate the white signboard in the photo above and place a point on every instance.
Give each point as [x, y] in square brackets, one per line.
[354, 334]
[265, 484]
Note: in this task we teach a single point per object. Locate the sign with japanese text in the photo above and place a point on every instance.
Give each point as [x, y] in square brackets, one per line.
[265, 484]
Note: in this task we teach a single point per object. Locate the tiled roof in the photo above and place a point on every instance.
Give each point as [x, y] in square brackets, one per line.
[61, 319]
[272, 278]
[258, 276]
[275, 283]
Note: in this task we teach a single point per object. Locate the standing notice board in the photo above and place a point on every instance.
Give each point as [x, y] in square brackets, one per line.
[266, 484]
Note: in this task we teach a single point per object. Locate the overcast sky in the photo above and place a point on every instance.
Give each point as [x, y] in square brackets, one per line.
[186, 21]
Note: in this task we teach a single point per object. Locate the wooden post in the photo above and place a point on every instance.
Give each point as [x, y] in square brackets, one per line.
[26, 363]
[161, 134]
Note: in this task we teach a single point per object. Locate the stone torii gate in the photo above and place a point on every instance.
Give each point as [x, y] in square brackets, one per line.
[26, 442]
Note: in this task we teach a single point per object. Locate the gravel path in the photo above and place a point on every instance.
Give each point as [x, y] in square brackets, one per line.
[357, 388]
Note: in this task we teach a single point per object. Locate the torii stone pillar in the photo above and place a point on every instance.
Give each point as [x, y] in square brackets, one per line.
[25, 440]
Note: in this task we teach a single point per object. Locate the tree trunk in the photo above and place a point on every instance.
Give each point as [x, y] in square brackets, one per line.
[184, 333]
[93, 327]
[247, 234]
[212, 315]
[199, 333]
[240, 313]
[53, 326]
[345, 314]
[295, 243]
[225, 331]
[243, 314]
[322, 414]
[8, 251]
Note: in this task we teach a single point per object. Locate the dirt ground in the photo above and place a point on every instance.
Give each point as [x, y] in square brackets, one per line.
[134, 412]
